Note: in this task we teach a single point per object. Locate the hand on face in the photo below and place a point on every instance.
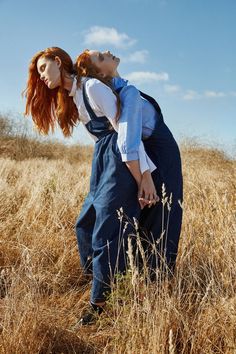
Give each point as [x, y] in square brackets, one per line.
[49, 71]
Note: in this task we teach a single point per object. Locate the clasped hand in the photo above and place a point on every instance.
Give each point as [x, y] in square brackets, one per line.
[147, 192]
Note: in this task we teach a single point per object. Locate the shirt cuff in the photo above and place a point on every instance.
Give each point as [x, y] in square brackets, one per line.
[145, 162]
[130, 156]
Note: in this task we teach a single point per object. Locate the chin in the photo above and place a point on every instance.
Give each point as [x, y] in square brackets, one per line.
[48, 84]
[51, 85]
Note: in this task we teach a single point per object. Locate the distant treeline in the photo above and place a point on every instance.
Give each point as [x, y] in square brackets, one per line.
[19, 143]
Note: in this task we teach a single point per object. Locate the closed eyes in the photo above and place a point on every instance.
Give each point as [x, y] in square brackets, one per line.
[100, 57]
[42, 67]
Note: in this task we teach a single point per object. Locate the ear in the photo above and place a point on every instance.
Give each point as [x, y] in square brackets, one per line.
[58, 61]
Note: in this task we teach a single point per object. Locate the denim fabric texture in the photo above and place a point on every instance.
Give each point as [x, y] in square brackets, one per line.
[101, 237]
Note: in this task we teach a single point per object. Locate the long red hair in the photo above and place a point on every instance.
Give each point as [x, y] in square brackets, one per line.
[49, 106]
[85, 67]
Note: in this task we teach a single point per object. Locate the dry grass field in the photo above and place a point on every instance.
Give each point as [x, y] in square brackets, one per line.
[43, 291]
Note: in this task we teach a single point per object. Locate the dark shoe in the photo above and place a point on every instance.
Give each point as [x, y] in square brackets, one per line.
[90, 316]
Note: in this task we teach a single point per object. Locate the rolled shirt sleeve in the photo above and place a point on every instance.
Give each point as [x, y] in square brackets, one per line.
[144, 160]
[130, 123]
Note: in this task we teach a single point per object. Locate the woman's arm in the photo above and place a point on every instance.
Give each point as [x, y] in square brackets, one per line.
[103, 99]
[146, 188]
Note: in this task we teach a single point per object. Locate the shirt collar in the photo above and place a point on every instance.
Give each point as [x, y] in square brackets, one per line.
[74, 87]
[119, 82]
[116, 81]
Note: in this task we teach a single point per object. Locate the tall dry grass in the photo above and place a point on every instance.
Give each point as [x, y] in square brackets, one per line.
[43, 291]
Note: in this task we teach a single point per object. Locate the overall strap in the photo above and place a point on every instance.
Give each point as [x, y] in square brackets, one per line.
[98, 126]
[151, 100]
[87, 104]
[147, 97]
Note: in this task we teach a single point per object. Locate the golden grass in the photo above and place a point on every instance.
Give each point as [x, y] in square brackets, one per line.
[43, 291]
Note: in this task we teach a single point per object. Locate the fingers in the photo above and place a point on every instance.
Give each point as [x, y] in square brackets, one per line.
[142, 202]
[148, 201]
[151, 203]
[156, 198]
[147, 197]
[152, 199]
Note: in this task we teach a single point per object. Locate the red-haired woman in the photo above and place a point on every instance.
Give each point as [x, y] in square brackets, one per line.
[56, 93]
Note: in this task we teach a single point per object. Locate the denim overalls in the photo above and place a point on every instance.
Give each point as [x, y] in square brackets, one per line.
[101, 235]
[165, 218]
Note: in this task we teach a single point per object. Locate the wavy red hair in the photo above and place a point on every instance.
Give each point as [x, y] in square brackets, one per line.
[85, 67]
[50, 106]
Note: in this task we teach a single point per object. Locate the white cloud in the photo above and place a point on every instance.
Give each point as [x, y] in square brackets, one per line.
[140, 56]
[140, 77]
[191, 95]
[97, 35]
[214, 94]
[233, 93]
[172, 88]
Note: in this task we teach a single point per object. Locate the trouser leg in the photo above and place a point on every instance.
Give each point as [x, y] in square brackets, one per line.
[84, 229]
[163, 221]
[109, 258]
[161, 229]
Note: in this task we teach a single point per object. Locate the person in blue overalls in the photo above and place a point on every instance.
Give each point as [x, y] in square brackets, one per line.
[140, 119]
[57, 94]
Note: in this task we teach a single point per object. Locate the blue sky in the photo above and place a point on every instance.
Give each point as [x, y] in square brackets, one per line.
[182, 52]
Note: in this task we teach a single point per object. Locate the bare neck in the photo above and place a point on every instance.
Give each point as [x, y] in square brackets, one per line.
[68, 82]
[116, 74]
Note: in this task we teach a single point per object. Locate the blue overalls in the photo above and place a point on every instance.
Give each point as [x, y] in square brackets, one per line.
[101, 235]
[160, 225]
[162, 222]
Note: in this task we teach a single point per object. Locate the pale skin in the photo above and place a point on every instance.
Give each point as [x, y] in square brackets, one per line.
[49, 71]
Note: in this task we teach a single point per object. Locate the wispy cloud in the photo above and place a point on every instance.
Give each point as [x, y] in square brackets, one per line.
[191, 95]
[194, 95]
[140, 77]
[214, 94]
[140, 56]
[97, 35]
[172, 88]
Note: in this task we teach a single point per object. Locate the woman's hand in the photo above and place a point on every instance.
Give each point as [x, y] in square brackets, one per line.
[147, 192]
